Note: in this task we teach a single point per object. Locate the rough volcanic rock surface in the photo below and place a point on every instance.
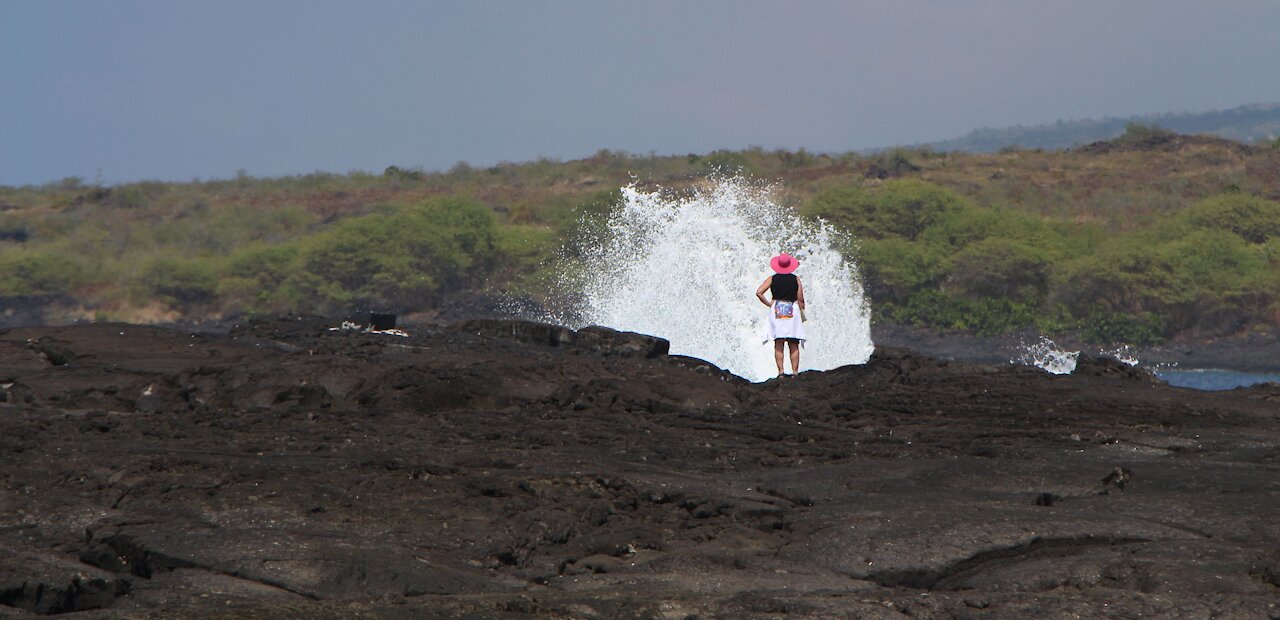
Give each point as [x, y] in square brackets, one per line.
[508, 470]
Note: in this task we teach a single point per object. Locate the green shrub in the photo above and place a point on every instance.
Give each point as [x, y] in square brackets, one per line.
[798, 159]
[898, 208]
[1125, 275]
[894, 268]
[33, 272]
[729, 162]
[1112, 327]
[401, 174]
[180, 282]
[584, 219]
[985, 316]
[906, 207]
[959, 227]
[268, 264]
[1269, 254]
[137, 195]
[237, 225]
[256, 277]
[890, 164]
[524, 252]
[1212, 257]
[401, 259]
[1001, 269]
[843, 206]
[220, 231]
[1251, 218]
[523, 246]
[1202, 279]
[1222, 273]
[70, 183]
[14, 229]
[1140, 135]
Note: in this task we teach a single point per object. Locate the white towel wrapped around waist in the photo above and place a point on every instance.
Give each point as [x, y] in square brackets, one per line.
[785, 321]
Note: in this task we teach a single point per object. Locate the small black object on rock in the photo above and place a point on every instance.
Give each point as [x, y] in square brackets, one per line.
[381, 321]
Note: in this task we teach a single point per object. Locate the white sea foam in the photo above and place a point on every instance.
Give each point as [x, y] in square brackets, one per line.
[686, 269]
[1046, 355]
[1123, 353]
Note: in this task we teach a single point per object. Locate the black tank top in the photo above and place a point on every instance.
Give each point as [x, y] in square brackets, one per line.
[785, 286]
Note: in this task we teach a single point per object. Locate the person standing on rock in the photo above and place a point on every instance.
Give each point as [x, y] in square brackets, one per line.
[786, 310]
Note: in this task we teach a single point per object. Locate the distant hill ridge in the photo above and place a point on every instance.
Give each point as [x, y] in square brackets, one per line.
[1247, 123]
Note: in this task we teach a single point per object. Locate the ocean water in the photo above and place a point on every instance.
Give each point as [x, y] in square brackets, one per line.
[686, 269]
[1214, 379]
[1046, 355]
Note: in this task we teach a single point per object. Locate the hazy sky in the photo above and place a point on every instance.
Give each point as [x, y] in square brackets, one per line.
[127, 90]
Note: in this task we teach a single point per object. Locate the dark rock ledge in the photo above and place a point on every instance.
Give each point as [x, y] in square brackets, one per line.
[506, 469]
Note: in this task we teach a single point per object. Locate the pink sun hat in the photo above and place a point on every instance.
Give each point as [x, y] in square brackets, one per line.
[784, 263]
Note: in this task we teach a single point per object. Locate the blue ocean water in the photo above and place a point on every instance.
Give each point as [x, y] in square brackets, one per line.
[1212, 379]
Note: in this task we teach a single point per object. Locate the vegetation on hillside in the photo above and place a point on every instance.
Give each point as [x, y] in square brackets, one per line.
[1145, 237]
[1251, 123]
[935, 258]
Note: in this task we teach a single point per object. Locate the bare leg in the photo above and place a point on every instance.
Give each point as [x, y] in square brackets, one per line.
[795, 356]
[778, 343]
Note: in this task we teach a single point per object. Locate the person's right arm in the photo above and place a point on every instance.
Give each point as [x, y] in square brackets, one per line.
[764, 287]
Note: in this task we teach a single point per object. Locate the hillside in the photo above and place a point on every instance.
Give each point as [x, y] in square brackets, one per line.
[1147, 237]
[1250, 124]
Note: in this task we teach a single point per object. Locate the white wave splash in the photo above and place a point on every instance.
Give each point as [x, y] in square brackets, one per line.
[1124, 353]
[686, 269]
[1046, 356]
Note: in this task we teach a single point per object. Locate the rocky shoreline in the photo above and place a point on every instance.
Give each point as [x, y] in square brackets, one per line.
[1257, 351]
[505, 469]
[1254, 352]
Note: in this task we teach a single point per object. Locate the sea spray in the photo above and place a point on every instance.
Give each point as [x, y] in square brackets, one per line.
[1123, 353]
[686, 269]
[1046, 356]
